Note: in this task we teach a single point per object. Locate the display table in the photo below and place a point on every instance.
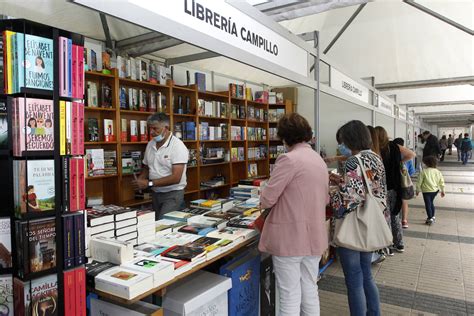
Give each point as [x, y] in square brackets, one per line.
[161, 290]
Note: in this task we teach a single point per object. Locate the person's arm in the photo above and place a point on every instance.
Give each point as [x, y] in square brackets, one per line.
[407, 154]
[334, 159]
[441, 183]
[419, 182]
[174, 178]
[145, 172]
[280, 177]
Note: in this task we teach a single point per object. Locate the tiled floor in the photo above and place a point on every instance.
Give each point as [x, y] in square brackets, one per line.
[435, 274]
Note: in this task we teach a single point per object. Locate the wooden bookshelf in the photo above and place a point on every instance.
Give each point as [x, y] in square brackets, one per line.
[118, 188]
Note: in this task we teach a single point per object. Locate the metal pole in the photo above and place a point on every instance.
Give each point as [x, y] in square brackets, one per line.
[316, 95]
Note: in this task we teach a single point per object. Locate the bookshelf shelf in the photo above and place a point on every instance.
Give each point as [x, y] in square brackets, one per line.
[99, 74]
[134, 143]
[214, 141]
[102, 177]
[126, 81]
[99, 109]
[256, 103]
[35, 154]
[184, 115]
[277, 105]
[238, 161]
[238, 120]
[99, 143]
[213, 94]
[257, 141]
[216, 187]
[136, 112]
[34, 275]
[214, 164]
[212, 118]
[276, 141]
[36, 215]
[136, 202]
[257, 122]
[186, 89]
[239, 99]
[260, 159]
[31, 92]
[191, 191]
[238, 140]
[189, 141]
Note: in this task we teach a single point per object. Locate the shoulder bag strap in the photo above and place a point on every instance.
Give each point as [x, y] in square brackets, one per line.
[364, 174]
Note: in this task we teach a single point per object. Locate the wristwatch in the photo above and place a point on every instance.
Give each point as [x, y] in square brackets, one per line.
[150, 183]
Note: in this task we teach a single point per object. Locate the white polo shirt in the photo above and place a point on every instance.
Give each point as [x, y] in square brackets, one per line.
[160, 161]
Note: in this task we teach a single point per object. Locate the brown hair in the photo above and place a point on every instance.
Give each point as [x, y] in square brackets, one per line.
[430, 161]
[294, 129]
[375, 141]
[382, 137]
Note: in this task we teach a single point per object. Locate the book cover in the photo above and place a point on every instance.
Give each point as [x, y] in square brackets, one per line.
[36, 297]
[81, 185]
[143, 100]
[74, 73]
[36, 243]
[95, 162]
[106, 95]
[92, 94]
[5, 243]
[143, 131]
[123, 98]
[80, 281]
[6, 296]
[80, 123]
[69, 293]
[109, 134]
[38, 63]
[35, 131]
[184, 253]
[69, 68]
[38, 193]
[62, 66]
[152, 102]
[253, 170]
[73, 198]
[123, 130]
[79, 239]
[133, 131]
[62, 128]
[75, 128]
[3, 125]
[93, 268]
[69, 125]
[68, 241]
[162, 271]
[110, 162]
[244, 294]
[200, 81]
[81, 72]
[92, 130]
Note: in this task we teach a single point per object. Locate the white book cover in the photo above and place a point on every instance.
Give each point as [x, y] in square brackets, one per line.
[129, 236]
[233, 233]
[5, 243]
[125, 223]
[110, 250]
[99, 307]
[175, 239]
[6, 295]
[148, 229]
[95, 162]
[101, 228]
[123, 282]
[133, 69]
[205, 221]
[126, 230]
[145, 239]
[162, 271]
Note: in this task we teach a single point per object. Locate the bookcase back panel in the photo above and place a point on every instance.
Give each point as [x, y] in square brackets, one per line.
[107, 188]
[192, 179]
[239, 171]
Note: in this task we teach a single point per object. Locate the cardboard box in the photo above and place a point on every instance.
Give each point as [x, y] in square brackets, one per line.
[102, 308]
[202, 293]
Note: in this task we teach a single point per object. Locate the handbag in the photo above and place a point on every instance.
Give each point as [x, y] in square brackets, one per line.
[364, 229]
[408, 190]
[260, 221]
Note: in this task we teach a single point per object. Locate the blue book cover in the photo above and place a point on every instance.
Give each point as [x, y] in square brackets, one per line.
[190, 131]
[15, 61]
[68, 241]
[69, 67]
[244, 294]
[19, 42]
[200, 80]
[38, 62]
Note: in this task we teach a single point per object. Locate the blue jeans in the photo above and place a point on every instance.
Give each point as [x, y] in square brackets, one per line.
[464, 157]
[362, 292]
[429, 197]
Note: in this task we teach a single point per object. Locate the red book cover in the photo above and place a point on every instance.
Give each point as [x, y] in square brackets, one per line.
[80, 146]
[69, 293]
[80, 291]
[74, 76]
[81, 72]
[81, 184]
[73, 185]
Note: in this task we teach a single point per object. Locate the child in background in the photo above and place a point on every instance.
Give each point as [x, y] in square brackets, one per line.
[430, 182]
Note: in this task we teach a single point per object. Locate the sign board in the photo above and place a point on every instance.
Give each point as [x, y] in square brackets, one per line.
[402, 114]
[410, 117]
[343, 83]
[385, 105]
[217, 26]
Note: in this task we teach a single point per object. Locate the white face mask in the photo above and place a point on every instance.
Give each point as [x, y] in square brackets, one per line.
[159, 138]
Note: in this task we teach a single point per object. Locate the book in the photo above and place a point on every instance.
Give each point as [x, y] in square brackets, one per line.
[95, 162]
[123, 98]
[92, 130]
[233, 233]
[123, 130]
[143, 131]
[110, 162]
[37, 193]
[68, 240]
[175, 239]
[143, 100]
[184, 253]
[36, 297]
[80, 283]
[190, 229]
[79, 239]
[220, 214]
[109, 133]
[6, 295]
[111, 250]
[200, 81]
[177, 215]
[253, 170]
[69, 292]
[33, 125]
[151, 248]
[161, 271]
[92, 94]
[93, 268]
[5, 243]
[124, 283]
[36, 244]
[133, 131]
[106, 95]
[3, 125]
[140, 308]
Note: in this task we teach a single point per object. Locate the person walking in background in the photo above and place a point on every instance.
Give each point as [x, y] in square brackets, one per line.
[430, 182]
[295, 231]
[420, 146]
[457, 143]
[362, 292]
[411, 172]
[466, 148]
[443, 145]
[431, 145]
[450, 144]
[391, 154]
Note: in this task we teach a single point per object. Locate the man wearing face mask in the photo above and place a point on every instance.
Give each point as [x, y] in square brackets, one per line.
[164, 166]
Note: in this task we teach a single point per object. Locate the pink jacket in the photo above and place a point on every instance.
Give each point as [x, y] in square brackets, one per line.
[298, 193]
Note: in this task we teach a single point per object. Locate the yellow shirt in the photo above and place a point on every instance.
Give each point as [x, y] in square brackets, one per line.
[430, 180]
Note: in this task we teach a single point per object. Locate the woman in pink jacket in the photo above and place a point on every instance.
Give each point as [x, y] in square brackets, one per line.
[295, 233]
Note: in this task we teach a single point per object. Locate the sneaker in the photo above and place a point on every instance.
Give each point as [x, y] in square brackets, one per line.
[428, 221]
[434, 219]
[379, 259]
[404, 224]
[400, 248]
[388, 251]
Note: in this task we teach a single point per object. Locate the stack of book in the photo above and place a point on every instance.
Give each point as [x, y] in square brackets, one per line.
[216, 181]
[237, 91]
[185, 130]
[208, 205]
[237, 154]
[101, 162]
[142, 69]
[213, 155]
[145, 226]
[257, 114]
[210, 132]
[274, 115]
[259, 152]
[273, 132]
[244, 192]
[261, 96]
[238, 111]
[212, 108]
[275, 151]
[131, 162]
[256, 133]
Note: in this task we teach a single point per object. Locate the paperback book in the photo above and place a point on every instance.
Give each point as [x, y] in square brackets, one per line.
[35, 66]
[3, 125]
[36, 297]
[6, 295]
[5, 243]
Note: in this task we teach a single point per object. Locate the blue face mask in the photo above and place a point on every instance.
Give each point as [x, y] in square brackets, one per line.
[344, 150]
[160, 137]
